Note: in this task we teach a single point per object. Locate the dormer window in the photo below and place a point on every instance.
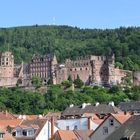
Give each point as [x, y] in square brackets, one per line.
[30, 132]
[1, 135]
[18, 133]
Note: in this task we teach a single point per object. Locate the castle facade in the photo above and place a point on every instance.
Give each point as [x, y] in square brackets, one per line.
[92, 70]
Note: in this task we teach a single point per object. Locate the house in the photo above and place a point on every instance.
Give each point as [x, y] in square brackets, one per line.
[4, 135]
[109, 125]
[72, 135]
[130, 130]
[37, 129]
[132, 106]
[5, 115]
[100, 109]
[82, 123]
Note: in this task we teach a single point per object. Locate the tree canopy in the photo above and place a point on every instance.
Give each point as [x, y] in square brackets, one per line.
[71, 42]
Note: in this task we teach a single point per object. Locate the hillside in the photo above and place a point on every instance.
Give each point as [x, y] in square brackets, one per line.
[71, 42]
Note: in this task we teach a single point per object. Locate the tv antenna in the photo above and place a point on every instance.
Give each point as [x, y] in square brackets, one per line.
[54, 20]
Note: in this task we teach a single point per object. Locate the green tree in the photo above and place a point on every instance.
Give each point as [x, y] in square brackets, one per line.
[36, 81]
[78, 82]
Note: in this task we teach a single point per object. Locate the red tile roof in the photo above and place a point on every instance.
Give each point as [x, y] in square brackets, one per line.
[11, 123]
[121, 117]
[6, 115]
[67, 135]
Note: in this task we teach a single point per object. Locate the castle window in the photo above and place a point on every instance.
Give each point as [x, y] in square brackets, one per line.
[87, 64]
[80, 68]
[75, 69]
[6, 63]
[86, 69]
[70, 69]
[6, 59]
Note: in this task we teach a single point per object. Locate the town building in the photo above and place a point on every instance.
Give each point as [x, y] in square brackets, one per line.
[72, 135]
[131, 106]
[101, 109]
[130, 130]
[108, 126]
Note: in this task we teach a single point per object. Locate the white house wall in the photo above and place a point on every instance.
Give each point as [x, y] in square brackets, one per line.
[81, 123]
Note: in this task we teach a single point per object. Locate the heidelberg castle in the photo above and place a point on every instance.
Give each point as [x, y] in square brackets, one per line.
[94, 70]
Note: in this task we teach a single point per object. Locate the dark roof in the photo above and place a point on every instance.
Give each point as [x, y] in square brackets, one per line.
[130, 106]
[71, 111]
[100, 109]
[129, 128]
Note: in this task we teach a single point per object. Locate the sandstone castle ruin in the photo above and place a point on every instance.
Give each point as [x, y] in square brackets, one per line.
[97, 70]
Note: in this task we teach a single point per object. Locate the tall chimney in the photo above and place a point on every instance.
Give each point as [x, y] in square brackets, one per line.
[52, 126]
[89, 123]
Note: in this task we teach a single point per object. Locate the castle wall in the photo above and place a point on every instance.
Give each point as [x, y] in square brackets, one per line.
[6, 72]
[79, 67]
[61, 75]
[8, 82]
[119, 75]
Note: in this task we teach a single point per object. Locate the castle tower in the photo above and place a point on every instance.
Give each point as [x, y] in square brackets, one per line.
[53, 68]
[6, 65]
[111, 67]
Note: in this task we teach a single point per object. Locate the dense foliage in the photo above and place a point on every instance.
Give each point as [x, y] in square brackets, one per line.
[57, 98]
[72, 42]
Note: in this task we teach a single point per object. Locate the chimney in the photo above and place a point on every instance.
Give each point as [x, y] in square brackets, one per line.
[52, 126]
[71, 105]
[84, 105]
[111, 103]
[6, 113]
[89, 123]
[97, 104]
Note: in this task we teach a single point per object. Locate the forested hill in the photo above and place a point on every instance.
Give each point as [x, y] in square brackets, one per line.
[71, 42]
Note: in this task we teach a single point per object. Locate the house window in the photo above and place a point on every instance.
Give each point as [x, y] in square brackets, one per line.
[67, 128]
[18, 133]
[24, 133]
[105, 130]
[1, 135]
[75, 127]
[30, 132]
[111, 122]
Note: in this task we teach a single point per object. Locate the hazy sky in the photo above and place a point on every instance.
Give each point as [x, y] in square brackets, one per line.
[80, 13]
